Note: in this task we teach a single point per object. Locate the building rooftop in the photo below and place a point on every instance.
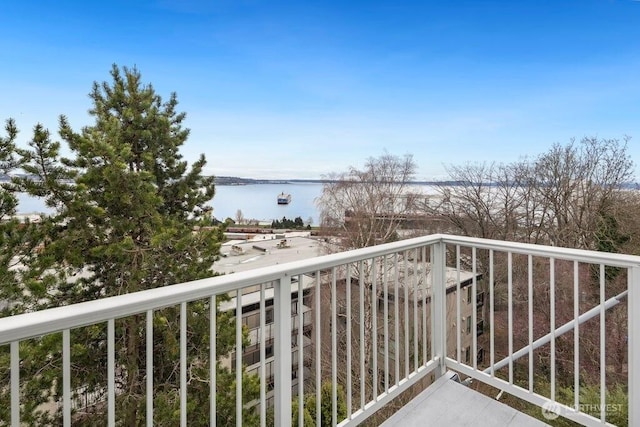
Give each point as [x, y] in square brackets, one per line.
[266, 250]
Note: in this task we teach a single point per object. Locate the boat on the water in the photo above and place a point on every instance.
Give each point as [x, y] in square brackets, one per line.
[284, 198]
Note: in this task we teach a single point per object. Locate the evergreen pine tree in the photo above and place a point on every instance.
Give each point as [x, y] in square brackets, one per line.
[125, 209]
[17, 244]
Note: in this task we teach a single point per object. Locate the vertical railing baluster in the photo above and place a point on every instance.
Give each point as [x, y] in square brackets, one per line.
[576, 335]
[552, 323]
[263, 357]
[15, 383]
[510, 312]
[362, 342]
[374, 328]
[348, 346]
[633, 349]
[474, 309]
[66, 377]
[213, 360]
[396, 319]
[603, 349]
[438, 287]
[334, 349]
[405, 322]
[416, 353]
[432, 311]
[425, 296]
[492, 324]
[300, 353]
[530, 308]
[385, 286]
[183, 364]
[318, 358]
[282, 356]
[239, 357]
[458, 308]
[149, 362]
[111, 372]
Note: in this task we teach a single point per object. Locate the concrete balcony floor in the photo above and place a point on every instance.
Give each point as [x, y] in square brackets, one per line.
[449, 403]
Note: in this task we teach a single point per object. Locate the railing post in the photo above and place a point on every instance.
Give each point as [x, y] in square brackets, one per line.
[282, 351]
[438, 292]
[633, 331]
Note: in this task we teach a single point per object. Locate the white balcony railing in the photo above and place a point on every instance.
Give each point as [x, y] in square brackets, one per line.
[383, 320]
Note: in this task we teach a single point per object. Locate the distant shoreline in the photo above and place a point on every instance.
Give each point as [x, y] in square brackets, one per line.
[234, 180]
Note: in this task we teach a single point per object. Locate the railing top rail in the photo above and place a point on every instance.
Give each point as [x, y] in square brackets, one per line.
[28, 325]
[34, 324]
[593, 257]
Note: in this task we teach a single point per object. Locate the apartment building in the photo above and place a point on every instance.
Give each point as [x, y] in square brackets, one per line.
[262, 251]
[410, 291]
[406, 296]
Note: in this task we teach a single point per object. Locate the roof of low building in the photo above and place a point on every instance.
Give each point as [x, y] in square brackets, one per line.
[259, 252]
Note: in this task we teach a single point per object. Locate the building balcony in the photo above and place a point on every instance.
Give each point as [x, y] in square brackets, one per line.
[549, 326]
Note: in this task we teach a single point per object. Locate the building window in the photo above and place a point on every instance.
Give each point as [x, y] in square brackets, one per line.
[480, 357]
[480, 327]
[251, 358]
[480, 299]
[306, 298]
[469, 325]
[307, 330]
[469, 293]
[467, 355]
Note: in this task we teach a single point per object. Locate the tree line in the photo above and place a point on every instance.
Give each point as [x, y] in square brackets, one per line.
[295, 223]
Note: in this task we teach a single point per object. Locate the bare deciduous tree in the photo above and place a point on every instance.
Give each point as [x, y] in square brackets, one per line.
[365, 207]
[558, 198]
[571, 195]
[239, 217]
[361, 208]
[579, 184]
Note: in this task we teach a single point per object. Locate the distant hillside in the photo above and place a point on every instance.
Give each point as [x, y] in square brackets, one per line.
[234, 180]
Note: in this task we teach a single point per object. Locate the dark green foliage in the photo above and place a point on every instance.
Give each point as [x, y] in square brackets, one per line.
[296, 223]
[326, 405]
[616, 406]
[18, 241]
[610, 238]
[326, 408]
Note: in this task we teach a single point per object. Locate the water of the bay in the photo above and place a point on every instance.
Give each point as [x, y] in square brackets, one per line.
[255, 201]
[258, 201]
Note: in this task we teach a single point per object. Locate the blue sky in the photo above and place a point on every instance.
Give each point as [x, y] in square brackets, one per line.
[298, 89]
